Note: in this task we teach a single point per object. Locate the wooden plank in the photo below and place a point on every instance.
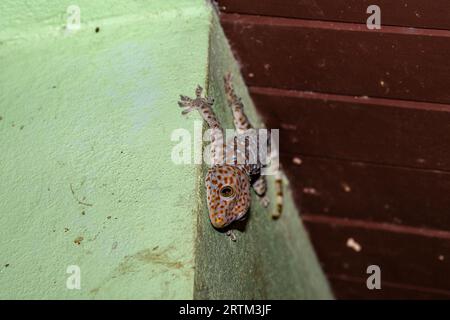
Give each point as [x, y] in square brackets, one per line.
[342, 58]
[348, 288]
[357, 190]
[411, 13]
[394, 132]
[404, 258]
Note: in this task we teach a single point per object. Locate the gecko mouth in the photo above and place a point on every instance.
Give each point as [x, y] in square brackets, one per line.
[219, 222]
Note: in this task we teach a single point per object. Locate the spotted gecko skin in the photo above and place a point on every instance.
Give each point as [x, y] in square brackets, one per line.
[228, 194]
[228, 184]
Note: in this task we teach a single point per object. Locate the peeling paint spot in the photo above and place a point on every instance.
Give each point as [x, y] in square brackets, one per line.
[311, 191]
[78, 240]
[351, 243]
[95, 290]
[420, 160]
[150, 257]
[322, 63]
[346, 187]
[297, 160]
[288, 126]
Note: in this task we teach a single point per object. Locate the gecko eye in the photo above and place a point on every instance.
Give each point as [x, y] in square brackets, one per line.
[227, 192]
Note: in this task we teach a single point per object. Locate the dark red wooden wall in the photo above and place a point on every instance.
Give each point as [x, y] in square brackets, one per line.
[364, 118]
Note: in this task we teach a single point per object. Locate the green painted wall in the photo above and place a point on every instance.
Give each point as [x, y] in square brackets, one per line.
[93, 113]
[86, 176]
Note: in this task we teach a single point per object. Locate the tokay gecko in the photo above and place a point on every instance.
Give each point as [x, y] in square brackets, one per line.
[228, 182]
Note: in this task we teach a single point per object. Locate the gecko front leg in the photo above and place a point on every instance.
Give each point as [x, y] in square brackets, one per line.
[231, 234]
[204, 107]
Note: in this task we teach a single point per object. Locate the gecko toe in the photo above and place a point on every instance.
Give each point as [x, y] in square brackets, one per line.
[198, 91]
[265, 201]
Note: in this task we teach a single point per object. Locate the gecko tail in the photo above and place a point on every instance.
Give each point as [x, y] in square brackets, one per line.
[279, 196]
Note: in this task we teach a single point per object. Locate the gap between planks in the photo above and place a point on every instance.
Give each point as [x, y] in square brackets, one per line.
[365, 162]
[364, 100]
[379, 226]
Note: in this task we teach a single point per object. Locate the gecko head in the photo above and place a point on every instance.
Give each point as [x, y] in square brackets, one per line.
[228, 194]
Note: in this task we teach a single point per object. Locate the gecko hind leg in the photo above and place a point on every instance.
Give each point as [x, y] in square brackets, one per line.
[240, 119]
